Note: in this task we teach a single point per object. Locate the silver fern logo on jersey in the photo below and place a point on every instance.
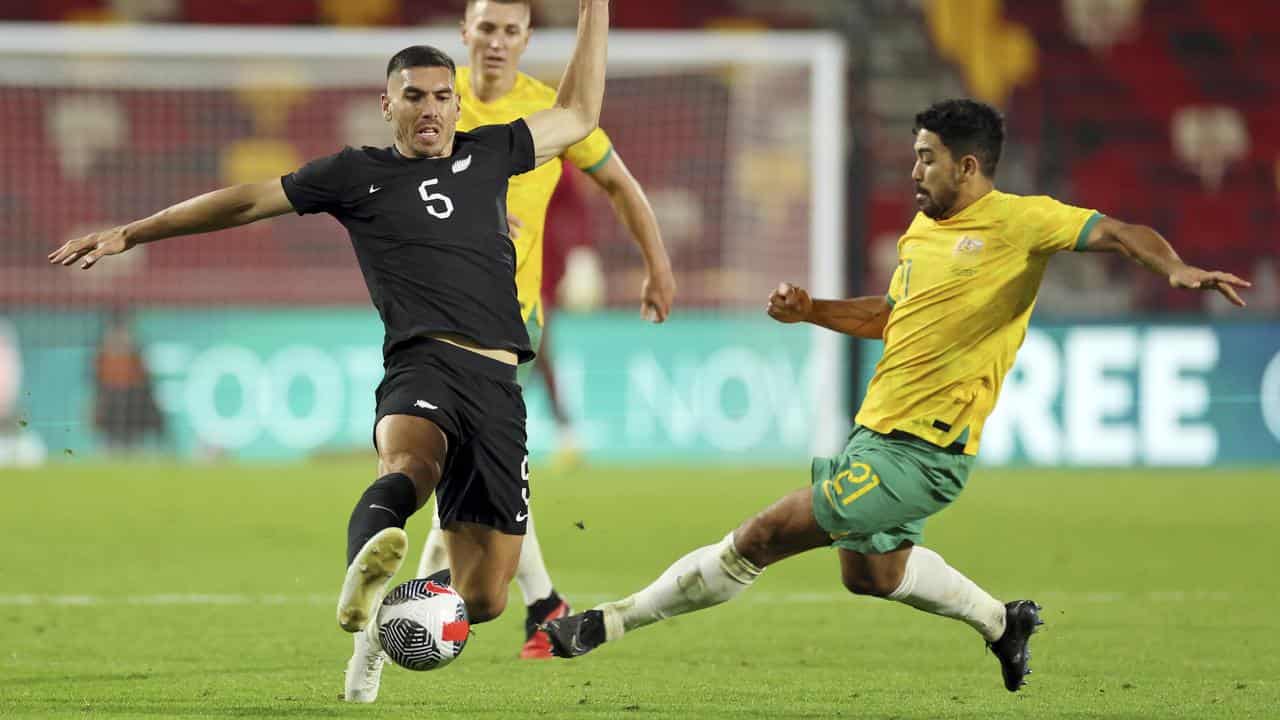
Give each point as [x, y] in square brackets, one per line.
[460, 165]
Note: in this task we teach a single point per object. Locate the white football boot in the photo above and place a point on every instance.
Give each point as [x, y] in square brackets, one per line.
[364, 669]
[368, 576]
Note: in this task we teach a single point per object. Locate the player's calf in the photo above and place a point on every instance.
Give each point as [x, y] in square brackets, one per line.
[873, 574]
[871, 587]
[483, 562]
[388, 502]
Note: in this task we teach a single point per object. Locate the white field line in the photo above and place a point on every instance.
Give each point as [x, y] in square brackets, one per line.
[1052, 597]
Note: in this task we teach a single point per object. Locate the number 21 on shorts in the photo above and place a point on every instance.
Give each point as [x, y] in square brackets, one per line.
[850, 484]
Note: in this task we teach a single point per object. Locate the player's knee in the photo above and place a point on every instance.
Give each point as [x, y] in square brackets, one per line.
[867, 582]
[484, 605]
[756, 540]
[424, 471]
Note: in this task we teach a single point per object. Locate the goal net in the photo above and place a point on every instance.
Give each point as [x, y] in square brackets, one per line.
[259, 341]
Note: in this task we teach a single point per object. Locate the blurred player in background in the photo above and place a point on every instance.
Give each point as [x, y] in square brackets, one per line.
[956, 312]
[493, 90]
[568, 236]
[427, 219]
[125, 411]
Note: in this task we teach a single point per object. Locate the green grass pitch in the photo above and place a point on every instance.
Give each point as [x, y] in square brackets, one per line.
[150, 591]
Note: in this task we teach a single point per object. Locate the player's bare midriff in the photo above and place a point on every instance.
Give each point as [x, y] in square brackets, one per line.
[502, 356]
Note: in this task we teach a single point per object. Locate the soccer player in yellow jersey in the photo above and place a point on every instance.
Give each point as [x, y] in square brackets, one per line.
[494, 91]
[957, 309]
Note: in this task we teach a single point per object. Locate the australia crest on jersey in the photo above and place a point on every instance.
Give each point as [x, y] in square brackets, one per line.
[967, 245]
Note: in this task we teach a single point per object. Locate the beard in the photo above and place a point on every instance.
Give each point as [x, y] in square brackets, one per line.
[937, 204]
[420, 147]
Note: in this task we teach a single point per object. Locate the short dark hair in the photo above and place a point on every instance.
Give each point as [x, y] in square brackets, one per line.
[967, 127]
[527, 3]
[420, 56]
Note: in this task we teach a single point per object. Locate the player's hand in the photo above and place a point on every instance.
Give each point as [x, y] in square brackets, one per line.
[513, 226]
[91, 247]
[657, 294]
[1194, 278]
[790, 303]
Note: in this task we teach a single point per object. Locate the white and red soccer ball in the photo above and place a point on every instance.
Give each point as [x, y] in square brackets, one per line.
[423, 625]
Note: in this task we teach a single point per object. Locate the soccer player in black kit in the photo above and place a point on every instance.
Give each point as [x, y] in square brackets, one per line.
[427, 219]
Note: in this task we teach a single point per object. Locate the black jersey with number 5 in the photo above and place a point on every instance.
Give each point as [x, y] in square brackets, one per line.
[430, 233]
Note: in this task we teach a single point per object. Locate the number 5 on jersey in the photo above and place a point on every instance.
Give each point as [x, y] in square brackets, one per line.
[445, 207]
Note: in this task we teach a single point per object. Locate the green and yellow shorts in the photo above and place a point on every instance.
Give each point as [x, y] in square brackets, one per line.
[876, 494]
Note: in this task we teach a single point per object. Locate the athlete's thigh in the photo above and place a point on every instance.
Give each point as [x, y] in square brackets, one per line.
[482, 557]
[878, 492]
[414, 446]
[483, 561]
[488, 478]
[417, 420]
[785, 528]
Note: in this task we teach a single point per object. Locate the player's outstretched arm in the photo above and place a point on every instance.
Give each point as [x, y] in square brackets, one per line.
[1148, 247]
[863, 317]
[228, 207]
[632, 207]
[577, 108]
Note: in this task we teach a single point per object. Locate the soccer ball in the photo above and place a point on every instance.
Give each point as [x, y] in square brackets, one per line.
[422, 625]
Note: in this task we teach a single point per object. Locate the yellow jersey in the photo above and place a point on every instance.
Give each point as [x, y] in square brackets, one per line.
[528, 195]
[962, 296]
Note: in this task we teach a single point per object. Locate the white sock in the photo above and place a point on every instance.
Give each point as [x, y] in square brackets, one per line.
[707, 576]
[435, 556]
[930, 584]
[531, 573]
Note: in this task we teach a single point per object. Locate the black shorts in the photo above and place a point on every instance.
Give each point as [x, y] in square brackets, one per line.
[480, 408]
